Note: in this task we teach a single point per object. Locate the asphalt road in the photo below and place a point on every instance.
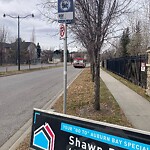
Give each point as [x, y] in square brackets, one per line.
[19, 94]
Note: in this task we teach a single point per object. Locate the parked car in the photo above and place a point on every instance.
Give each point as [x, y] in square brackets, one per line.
[79, 62]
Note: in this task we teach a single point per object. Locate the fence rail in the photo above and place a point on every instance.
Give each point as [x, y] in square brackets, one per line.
[132, 68]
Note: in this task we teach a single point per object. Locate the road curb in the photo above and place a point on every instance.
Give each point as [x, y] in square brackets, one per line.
[14, 142]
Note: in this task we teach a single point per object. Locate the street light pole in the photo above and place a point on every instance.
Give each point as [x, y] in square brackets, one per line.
[18, 17]
[18, 43]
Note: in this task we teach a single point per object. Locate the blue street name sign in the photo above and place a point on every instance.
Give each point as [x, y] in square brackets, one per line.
[54, 131]
[66, 11]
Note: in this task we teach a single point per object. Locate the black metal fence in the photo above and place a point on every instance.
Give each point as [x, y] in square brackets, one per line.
[132, 68]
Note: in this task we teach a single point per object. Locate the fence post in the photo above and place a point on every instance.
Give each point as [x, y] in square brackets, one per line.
[148, 72]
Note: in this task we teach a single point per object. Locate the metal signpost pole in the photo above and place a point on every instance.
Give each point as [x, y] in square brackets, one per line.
[65, 70]
[18, 43]
[66, 16]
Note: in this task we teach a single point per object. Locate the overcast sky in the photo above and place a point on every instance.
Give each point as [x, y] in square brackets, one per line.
[44, 32]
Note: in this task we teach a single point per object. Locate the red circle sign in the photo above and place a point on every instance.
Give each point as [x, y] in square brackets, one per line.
[62, 30]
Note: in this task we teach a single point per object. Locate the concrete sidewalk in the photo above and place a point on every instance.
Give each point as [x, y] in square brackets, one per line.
[135, 107]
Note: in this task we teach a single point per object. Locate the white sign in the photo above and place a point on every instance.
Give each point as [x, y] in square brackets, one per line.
[66, 11]
[143, 67]
[65, 16]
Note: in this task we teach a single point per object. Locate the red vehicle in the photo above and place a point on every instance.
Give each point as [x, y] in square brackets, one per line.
[79, 62]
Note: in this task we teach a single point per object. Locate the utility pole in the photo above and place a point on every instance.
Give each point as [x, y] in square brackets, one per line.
[18, 17]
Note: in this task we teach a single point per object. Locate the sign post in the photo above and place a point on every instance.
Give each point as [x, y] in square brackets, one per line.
[54, 131]
[65, 71]
[65, 16]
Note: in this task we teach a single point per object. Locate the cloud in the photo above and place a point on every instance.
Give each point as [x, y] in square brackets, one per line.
[44, 31]
[6, 1]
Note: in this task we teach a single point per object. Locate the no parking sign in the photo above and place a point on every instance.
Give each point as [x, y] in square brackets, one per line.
[62, 31]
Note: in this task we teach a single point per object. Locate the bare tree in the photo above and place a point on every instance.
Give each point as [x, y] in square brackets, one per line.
[140, 17]
[31, 49]
[135, 45]
[3, 35]
[33, 38]
[96, 21]
[145, 20]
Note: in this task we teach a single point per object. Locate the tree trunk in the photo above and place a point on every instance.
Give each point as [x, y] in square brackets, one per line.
[97, 84]
[1, 57]
[92, 71]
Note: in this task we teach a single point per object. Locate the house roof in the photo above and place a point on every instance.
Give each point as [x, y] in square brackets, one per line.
[23, 45]
[5, 45]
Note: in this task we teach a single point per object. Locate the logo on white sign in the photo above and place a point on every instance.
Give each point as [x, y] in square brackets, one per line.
[65, 5]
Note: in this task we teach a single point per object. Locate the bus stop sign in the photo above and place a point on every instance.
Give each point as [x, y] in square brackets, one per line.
[66, 11]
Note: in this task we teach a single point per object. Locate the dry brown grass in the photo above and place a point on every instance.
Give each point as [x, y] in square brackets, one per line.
[80, 102]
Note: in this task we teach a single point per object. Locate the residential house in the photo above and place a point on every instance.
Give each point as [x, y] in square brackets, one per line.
[29, 52]
[9, 52]
[4, 49]
[57, 56]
